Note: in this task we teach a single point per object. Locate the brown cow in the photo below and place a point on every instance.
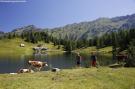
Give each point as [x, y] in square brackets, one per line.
[37, 64]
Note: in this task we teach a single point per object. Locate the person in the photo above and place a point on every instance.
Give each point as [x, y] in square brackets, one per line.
[78, 59]
[93, 59]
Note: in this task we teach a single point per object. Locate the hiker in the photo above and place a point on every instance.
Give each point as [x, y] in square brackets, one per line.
[93, 59]
[78, 59]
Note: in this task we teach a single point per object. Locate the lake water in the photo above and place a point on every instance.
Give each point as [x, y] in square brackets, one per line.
[63, 61]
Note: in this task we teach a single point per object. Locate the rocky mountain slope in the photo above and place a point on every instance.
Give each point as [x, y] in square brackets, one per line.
[86, 30]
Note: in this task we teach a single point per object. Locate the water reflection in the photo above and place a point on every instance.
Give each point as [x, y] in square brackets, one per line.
[66, 60]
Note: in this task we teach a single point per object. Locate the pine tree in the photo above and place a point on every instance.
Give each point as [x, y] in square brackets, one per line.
[9, 35]
[131, 54]
[114, 45]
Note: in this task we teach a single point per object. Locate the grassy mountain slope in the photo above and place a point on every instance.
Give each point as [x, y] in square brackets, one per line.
[11, 47]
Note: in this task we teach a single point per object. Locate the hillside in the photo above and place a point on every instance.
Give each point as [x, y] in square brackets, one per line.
[12, 47]
[81, 78]
[85, 30]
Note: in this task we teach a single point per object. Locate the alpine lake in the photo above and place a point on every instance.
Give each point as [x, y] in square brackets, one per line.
[11, 63]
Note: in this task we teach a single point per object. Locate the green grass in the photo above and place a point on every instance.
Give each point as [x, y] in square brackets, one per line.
[11, 47]
[86, 50]
[103, 51]
[81, 78]
[106, 49]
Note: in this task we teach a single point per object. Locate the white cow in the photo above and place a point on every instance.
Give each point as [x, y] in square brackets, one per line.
[25, 71]
[22, 45]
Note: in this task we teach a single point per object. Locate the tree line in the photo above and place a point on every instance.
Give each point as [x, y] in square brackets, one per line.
[120, 41]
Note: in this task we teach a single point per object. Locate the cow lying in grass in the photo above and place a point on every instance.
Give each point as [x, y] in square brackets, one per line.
[37, 64]
[25, 71]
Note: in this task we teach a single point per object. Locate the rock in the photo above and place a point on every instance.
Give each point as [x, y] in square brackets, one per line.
[55, 69]
[116, 65]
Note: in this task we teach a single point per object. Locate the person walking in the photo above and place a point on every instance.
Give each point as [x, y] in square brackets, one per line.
[78, 59]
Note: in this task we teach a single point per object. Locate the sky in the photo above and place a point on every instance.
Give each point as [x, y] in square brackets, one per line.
[56, 13]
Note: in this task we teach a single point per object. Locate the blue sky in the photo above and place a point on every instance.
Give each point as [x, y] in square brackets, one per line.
[55, 13]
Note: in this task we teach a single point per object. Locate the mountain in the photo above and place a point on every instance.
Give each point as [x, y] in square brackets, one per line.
[28, 28]
[1, 33]
[86, 30]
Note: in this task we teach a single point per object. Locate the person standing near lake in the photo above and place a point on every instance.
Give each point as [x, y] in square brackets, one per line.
[78, 59]
[93, 60]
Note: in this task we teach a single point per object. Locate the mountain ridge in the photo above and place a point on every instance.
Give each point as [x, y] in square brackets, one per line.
[85, 30]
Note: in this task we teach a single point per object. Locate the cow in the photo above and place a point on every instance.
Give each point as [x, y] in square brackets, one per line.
[25, 71]
[37, 64]
[22, 45]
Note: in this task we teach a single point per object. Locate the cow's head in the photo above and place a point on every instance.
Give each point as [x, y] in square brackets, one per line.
[45, 64]
[29, 61]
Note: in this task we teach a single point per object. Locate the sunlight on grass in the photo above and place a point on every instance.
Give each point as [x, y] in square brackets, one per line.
[82, 78]
[12, 47]
[103, 51]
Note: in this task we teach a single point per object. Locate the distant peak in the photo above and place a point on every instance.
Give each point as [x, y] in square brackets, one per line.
[28, 27]
[103, 18]
[1, 32]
